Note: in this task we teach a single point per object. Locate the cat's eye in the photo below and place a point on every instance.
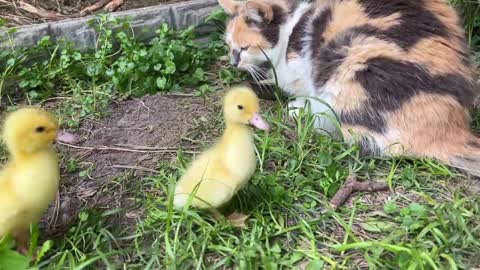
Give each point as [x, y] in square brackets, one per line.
[240, 107]
[244, 48]
[40, 129]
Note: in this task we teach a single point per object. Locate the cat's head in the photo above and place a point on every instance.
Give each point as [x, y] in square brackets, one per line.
[254, 26]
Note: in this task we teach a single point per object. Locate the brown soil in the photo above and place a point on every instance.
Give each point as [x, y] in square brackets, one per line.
[127, 145]
[15, 16]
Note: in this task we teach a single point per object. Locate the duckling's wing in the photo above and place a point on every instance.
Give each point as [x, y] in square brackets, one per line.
[9, 207]
[8, 218]
[6, 185]
[9, 204]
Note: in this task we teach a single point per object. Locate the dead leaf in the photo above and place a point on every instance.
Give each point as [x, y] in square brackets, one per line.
[238, 219]
[49, 15]
[87, 192]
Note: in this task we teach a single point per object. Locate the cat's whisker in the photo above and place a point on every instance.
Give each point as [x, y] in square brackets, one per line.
[261, 72]
[261, 79]
[253, 73]
[255, 78]
[261, 75]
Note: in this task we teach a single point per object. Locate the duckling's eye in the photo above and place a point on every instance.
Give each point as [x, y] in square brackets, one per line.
[240, 107]
[40, 129]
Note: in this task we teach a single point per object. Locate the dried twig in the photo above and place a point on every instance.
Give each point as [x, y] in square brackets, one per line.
[40, 12]
[147, 148]
[138, 168]
[93, 7]
[113, 5]
[145, 106]
[108, 148]
[289, 135]
[351, 186]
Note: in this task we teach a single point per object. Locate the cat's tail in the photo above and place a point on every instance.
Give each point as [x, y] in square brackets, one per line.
[467, 155]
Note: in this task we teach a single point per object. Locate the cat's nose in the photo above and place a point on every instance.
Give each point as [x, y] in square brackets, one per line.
[234, 62]
[235, 59]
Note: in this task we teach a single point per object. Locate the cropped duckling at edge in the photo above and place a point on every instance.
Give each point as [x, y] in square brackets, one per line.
[218, 173]
[29, 181]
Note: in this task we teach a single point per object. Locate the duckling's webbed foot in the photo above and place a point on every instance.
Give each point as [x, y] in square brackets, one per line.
[22, 238]
[235, 219]
[238, 219]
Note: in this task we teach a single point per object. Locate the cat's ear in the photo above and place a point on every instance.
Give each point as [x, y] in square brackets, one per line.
[230, 6]
[258, 11]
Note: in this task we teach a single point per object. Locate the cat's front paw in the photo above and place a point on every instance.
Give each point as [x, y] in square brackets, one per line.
[295, 106]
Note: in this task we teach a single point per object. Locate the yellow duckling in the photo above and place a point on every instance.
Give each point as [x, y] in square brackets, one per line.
[30, 179]
[218, 173]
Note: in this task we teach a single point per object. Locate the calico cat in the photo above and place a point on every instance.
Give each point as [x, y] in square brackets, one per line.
[397, 73]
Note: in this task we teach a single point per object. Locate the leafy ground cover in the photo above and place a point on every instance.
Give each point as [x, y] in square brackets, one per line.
[151, 106]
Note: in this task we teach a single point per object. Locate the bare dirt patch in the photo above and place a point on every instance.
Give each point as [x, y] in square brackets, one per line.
[15, 15]
[139, 133]
[135, 137]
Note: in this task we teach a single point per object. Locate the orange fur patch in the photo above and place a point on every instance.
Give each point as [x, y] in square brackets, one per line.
[429, 125]
[440, 56]
[348, 14]
[351, 96]
[245, 36]
[230, 6]
[447, 15]
[364, 48]
[292, 55]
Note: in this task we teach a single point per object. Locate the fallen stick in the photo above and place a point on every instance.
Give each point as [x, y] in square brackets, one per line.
[351, 186]
[113, 5]
[40, 12]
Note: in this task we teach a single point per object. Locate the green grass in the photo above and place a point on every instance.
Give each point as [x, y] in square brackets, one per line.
[430, 220]
[428, 223]
[470, 10]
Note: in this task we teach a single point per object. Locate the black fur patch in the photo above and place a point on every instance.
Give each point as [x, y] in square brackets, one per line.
[271, 31]
[378, 9]
[331, 55]
[319, 24]
[368, 30]
[328, 58]
[390, 84]
[295, 43]
[366, 117]
[416, 22]
[368, 147]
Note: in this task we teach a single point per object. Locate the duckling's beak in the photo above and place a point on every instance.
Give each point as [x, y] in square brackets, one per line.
[258, 122]
[65, 137]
